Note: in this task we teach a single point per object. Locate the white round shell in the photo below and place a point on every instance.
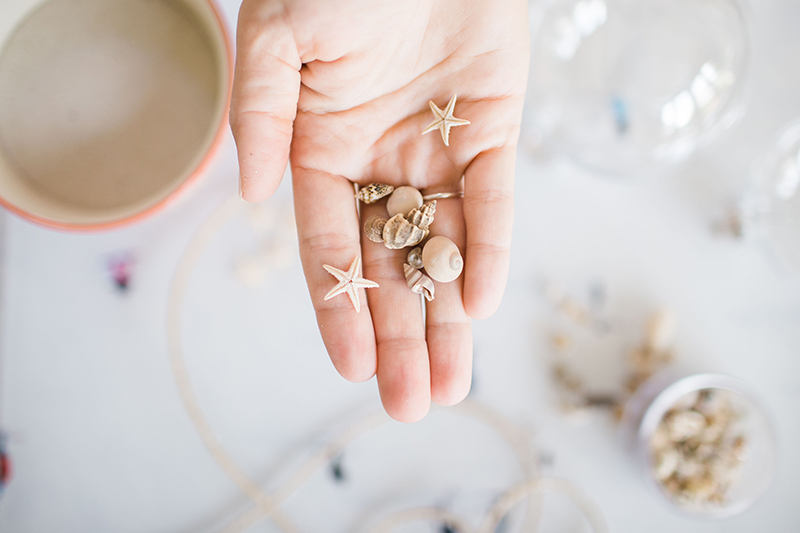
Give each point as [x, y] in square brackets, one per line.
[403, 200]
[442, 259]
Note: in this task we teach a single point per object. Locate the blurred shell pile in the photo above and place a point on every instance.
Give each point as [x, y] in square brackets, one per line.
[442, 261]
[698, 448]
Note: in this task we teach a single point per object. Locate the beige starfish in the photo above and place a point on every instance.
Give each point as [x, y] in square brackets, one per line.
[349, 282]
[444, 120]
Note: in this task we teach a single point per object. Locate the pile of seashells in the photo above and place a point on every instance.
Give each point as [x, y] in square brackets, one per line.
[698, 447]
[408, 225]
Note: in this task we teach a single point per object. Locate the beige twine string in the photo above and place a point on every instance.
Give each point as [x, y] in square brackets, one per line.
[267, 505]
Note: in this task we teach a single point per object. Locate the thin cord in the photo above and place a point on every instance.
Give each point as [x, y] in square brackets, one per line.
[499, 511]
[416, 514]
[540, 486]
[180, 281]
[268, 505]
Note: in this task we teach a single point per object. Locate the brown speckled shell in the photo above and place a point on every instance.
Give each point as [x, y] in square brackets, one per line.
[374, 192]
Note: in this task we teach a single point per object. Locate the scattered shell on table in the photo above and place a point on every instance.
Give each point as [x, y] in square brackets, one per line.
[403, 200]
[374, 192]
[399, 233]
[442, 259]
[418, 282]
[373, 228]
[660, 331]
[422, 217]
[415, 257]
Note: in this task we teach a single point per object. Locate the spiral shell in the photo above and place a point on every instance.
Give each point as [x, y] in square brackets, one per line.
[399, 232]
[422, 217]
[415, 257]
[373, 228]
[442, 259]
[418, 282]
[374, 192]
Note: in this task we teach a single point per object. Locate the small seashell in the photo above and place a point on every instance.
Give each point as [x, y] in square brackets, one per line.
[399, 232]
[686, 424]
[418, 282]
[701, 488]
[422, 217]
[374, 192]
[660, 331]
[442, 259]
[373, 228]
[688, 467]
[714, 430]
[403, 200]
[415, 257]
[666, 463]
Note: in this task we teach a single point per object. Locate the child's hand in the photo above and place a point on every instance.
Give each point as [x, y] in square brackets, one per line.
[346, 83]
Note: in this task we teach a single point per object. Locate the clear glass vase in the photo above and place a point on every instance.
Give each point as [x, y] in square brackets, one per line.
[629, 87]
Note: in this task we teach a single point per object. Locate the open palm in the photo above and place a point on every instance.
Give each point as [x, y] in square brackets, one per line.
[346, 84]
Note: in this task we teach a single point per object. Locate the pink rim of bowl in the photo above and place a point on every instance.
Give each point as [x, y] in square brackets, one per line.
[222, 35]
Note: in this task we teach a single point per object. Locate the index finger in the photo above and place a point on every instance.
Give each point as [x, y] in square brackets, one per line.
[266, 88]
[329, 233]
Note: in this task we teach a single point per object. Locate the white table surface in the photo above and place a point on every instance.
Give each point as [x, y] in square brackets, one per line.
[101, 442]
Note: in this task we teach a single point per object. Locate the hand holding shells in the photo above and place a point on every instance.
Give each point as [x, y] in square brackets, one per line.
[348, 112]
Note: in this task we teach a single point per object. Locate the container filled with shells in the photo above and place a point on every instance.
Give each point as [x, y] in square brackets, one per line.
[702, 441]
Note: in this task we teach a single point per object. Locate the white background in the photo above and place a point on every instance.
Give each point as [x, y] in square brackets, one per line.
[101, 442]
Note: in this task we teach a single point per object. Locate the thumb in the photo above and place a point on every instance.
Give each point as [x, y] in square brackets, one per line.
[264, 101]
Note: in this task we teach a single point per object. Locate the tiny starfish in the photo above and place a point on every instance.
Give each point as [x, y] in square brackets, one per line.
[444, 120]
[349, 282]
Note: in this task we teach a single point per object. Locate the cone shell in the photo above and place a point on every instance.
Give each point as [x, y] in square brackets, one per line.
[418, 282]
[373, 228]
[399, 233]
[374, 192]
[442, 260]
[423, 217]
[415, 257]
